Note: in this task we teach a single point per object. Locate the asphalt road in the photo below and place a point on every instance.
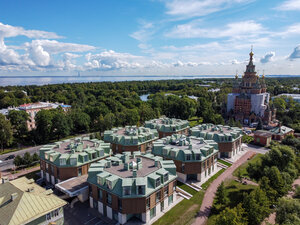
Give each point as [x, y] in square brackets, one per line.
[257, 149]
[8, 164]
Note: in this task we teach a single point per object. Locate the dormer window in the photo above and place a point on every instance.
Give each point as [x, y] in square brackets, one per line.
[188, 157]
[157, 182]
[198, 157]
[141, 190]
[73, 162]
[127, 190]
[166, 177]
[109, 184]
[62, 162]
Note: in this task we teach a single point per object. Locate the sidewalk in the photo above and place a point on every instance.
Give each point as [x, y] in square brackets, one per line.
[210, 192]
[11, 176]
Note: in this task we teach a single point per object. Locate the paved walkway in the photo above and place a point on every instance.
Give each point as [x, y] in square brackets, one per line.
[210, 192]
[21, 173]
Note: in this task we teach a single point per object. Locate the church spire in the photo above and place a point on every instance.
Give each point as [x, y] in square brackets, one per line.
[250, 67]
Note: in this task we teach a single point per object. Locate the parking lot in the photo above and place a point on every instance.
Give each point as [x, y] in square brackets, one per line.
[82, 214]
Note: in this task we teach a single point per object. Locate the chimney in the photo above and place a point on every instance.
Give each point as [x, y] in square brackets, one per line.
[134, 174]
[13, 196]
[156, 163]
[4, 180]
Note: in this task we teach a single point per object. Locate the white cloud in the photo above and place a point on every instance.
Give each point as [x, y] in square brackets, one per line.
[39, 56]
[295, 54]
[269, 57]
[144, 32]
[290, 5]
[193, 8]
[54, 47]
[234, 30]
[7, 31]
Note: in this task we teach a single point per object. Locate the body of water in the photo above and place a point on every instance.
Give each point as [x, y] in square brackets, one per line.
[42, 80]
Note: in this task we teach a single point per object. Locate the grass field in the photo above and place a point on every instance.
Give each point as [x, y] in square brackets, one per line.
[186, 188]
[186, 210]
[244, 166]
[224, 162]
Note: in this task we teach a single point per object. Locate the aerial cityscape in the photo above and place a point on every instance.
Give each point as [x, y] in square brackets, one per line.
[163, 112]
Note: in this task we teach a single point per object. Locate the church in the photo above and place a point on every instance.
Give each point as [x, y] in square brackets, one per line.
[249, 100]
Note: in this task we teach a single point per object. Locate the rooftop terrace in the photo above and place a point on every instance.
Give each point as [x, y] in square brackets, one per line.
[165, 124]
[74, 152]
[182, 148]
[218, 133]
[130, 135]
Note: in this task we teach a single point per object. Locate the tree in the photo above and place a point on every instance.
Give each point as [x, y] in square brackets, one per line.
[239, 175]
[27, 159]
[81, 121]
[35, 157]
[6, 133]
[288, 211]
[43, 120]
[235, 216]
[259, 124]
[297, 192]
[18, 120]
[60, 125]
[18, 161]
[256, 205]
[221, 195]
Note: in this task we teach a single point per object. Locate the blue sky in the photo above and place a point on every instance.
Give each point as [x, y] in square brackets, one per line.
[145, 37]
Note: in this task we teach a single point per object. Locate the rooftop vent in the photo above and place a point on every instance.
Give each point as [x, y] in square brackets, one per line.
[13, 196]
[30, 189]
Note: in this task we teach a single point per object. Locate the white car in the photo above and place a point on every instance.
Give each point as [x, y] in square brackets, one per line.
[1, 161]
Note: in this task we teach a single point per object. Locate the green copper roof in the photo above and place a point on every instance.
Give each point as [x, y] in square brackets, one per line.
[130, 135]
[149, 175]
[217, 133]
[75, 152]
[281, 130]
[185, 149]
[165, 124]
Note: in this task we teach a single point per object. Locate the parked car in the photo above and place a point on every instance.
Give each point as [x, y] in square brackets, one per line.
[10, 157]
[1, 161]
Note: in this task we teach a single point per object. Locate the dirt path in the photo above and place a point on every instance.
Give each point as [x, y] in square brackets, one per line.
[210, 192]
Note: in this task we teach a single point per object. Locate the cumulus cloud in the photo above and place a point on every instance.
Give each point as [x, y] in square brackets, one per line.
[290, 5]
[269, 57]
[192, 8]
[295, 54]
[189, 64]
[240, 29]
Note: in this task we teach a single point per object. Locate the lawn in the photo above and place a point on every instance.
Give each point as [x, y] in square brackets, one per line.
[186, 210]
[244, 166]
[186, 188]
[235, 192]
[210, 180]
[224, 162]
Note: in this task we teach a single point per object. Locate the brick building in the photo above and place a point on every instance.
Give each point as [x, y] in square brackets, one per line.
[168, 126]
[131, 186]
[249, 101]
[280, 132]
[229, 139]
[195, 159]
[71, 158]
[262, 137]
[130, 138]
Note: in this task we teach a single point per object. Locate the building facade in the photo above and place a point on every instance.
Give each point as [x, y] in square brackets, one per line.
[249, 101]
[280, 132]
[130, 138]
[25, 202]
[168, 126]
[229, 139]
[262, 137]
[71, 158]
[195, 159]
[131, 185]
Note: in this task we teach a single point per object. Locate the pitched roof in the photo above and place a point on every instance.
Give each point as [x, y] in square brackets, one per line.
[27, 205]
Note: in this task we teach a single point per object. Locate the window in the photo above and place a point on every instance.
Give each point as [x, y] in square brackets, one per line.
[109, 184]
[158, 196]
[174, 186]
[47, 166]
[73, 161]
[182, 168]
[120, 204]
[100, 194]
[166, 177]
[108, 199]
[52, 169]
[52, 214]
[166, 191]
[79, 171]
[157, 182]
[62, 162]
[198, 157]
[188, 157]
[141, 190]
[170, 199]
[126, 190]
[148, 203]
[152, 212]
